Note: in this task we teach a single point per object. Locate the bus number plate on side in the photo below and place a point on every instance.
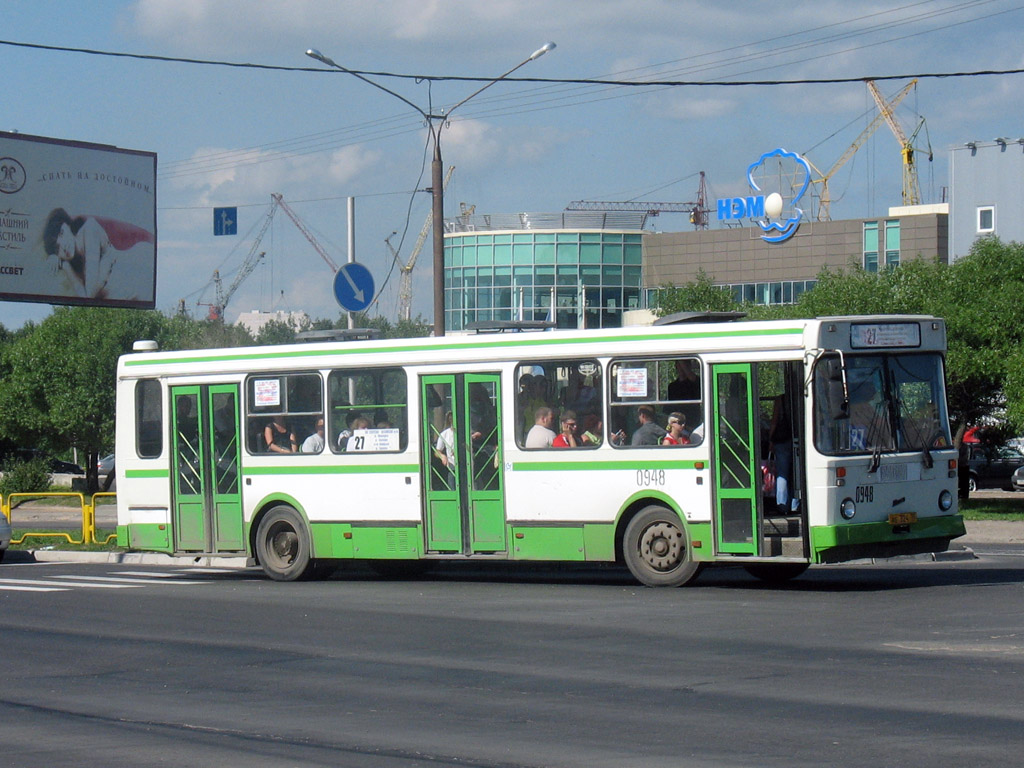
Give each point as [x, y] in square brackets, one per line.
[649, 477]
[865, 494]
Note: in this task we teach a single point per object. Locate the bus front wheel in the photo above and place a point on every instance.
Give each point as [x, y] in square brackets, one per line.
[282, 545]
[657, 550]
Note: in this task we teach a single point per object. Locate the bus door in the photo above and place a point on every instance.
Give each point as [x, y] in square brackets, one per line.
[207, 494]
[464, 500]
[734, 460]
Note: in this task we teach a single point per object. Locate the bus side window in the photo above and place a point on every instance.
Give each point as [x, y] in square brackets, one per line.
[294, 400]
[650, 396]
[149, 423]
[370, 405]
[562, 387]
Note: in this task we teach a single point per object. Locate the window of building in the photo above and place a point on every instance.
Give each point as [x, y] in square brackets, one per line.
[563, 396]
[282, 410]
[649, 398]
[367, 411]
[871, 246]
[892, 243]
[149, 423]
[986, 218]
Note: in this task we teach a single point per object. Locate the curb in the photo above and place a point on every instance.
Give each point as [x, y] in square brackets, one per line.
[122, 558]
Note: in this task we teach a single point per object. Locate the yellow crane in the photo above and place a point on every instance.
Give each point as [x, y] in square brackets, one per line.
[911, 190]
[885, 113]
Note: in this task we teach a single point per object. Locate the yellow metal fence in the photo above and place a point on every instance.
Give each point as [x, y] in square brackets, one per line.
[88, 507]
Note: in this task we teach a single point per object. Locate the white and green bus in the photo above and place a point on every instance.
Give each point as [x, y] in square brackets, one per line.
[791, 443]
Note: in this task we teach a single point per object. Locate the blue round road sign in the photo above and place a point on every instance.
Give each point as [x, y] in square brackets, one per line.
[353, 286]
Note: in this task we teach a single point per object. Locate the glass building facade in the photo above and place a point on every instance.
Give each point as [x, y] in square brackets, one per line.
[577, 278]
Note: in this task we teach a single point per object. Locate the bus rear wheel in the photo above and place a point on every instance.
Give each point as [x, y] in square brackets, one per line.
[283, 546]
[657, 550]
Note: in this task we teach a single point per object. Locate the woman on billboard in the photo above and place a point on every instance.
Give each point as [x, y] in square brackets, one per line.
[84, 250]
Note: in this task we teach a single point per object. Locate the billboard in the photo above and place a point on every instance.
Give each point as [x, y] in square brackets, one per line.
[77, 223]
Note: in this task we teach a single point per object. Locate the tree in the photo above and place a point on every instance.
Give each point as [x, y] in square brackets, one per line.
[701, 295]
[57, 387]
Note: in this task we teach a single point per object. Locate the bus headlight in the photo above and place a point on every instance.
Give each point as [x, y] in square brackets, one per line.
[847, 509]
[945, 501]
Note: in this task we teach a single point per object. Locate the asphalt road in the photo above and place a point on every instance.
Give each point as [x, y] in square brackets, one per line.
[908, 664]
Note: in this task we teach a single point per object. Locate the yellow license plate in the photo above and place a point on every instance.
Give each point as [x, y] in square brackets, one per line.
[902, 518]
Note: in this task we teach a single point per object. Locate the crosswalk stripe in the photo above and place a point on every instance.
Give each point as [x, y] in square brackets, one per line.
[120, 579]
[41, 583]
[13, 588]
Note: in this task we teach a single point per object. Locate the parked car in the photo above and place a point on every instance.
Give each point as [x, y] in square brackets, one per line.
[105, 465]
[1017, 479]
[57, 466]
[993, 467]
[65, 467]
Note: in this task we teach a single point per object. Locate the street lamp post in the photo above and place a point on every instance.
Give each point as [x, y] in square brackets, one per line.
[434, 122]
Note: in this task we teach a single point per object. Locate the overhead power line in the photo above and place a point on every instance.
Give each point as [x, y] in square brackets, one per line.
[547, 80]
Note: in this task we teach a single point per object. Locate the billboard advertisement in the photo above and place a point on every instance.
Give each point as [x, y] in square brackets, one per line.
[77, 223]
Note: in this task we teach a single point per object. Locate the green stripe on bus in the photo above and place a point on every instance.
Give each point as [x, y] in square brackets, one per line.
[143, 473]
[334, 469]
[520, 341]
[559, 466]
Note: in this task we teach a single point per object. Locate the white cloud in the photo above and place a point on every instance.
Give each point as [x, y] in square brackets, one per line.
[316, 173]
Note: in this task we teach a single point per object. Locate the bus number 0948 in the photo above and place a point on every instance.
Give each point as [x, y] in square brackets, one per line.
[648, 477]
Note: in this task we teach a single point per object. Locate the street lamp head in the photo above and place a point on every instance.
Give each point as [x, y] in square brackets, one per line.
[541, 51]
[313, 53]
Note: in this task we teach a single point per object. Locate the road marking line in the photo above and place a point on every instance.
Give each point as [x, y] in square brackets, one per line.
[6, 588]
[39, 582]
[125, 580]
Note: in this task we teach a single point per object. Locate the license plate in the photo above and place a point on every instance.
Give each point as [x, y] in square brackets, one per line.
[902, 518]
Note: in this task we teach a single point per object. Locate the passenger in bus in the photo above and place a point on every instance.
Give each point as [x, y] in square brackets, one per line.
[780, 436]
[358, 423]
[541, 435]
[567, 437]
[686, 385]
[445, 445]
[676, 430]
[593, 429]
[649, 432]
[279, 437]
[315, 442]
[346, 433]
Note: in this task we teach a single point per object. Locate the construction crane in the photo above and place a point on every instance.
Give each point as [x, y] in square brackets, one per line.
[405, 271]
[305, 231]
[698, 209]
[911, 190]
[252, 260]
[824, 198]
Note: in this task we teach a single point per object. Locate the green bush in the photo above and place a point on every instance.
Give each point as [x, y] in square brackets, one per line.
[32, 476]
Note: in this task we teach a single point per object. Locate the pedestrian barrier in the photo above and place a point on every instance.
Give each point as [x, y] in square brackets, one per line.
[88, 511]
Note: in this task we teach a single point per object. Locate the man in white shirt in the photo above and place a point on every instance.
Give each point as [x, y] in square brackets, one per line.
[541, 435]
[315, 442]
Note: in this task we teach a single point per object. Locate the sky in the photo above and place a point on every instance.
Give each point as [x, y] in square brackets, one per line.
[233, 136]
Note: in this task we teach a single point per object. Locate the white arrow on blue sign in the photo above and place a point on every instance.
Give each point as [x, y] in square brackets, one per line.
[225, 221]
[353, 287]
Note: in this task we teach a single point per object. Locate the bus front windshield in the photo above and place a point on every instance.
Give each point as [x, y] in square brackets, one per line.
[891, 402]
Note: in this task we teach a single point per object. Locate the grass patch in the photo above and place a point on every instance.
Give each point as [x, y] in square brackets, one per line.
[1006, 509]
